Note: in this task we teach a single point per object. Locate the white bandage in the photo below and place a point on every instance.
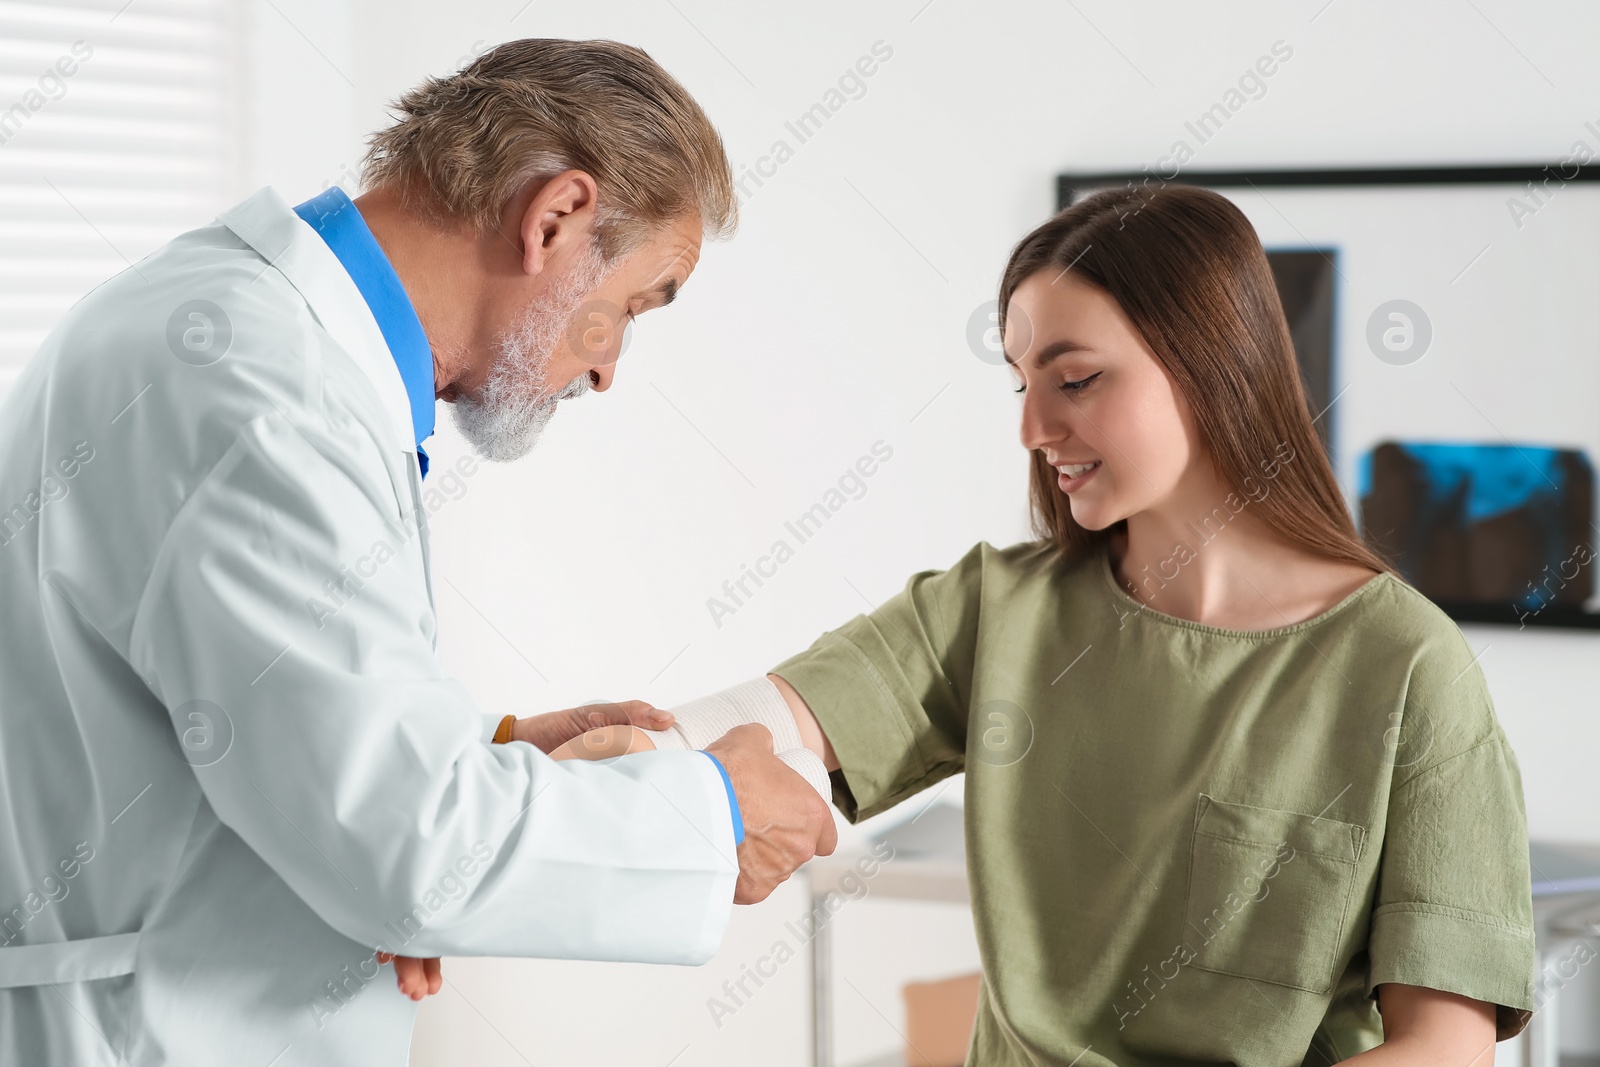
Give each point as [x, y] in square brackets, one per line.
[809, 766]
[701, 722]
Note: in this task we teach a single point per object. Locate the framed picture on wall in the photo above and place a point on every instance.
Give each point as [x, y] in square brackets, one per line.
[1446, 321]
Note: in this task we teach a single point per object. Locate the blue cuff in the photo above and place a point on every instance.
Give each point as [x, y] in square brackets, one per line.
[733, 801]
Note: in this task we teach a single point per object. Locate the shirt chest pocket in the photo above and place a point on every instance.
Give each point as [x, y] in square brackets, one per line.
[1269, 893]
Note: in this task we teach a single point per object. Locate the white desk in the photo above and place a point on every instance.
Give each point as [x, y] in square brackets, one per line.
[928, 863]
[1566, 905]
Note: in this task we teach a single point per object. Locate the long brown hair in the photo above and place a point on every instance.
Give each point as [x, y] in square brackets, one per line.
[1188, 270]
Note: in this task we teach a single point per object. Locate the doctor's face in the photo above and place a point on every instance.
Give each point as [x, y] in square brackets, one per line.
[568, 338]
[1093, 393]
[646, 278]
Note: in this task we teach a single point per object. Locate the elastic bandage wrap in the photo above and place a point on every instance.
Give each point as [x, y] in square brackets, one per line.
[703, 720]
[809, 766]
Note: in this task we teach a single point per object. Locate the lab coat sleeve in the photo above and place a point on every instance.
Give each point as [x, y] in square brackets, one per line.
[286, 621]
[491, 723]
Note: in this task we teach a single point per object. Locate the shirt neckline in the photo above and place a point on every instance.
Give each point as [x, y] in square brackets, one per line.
[336, 219]
[1141, 608]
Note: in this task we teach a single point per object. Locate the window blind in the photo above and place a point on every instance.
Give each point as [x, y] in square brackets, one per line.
[119, 128]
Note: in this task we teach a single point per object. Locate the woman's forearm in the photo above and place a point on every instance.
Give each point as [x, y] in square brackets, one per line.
[811, 734]
[1424, 1027]
[1418, 1054]
[609, 741]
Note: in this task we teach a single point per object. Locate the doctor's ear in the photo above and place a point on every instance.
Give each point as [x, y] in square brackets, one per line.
[560, 213]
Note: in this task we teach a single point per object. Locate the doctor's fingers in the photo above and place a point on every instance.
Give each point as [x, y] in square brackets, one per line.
[771, 853]
[416, 978]
[639, 713]
[551, 730]
[435, 975]
[750, 738]
[781, 834]
[828, 840]
[763, 866]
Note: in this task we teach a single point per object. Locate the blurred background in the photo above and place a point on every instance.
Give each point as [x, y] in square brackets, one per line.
[850, 313]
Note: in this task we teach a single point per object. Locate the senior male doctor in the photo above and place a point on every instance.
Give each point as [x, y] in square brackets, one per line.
[231, 763]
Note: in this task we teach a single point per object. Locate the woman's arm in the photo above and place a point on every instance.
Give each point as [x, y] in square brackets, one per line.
[893, 686]
[607, 742]
[1429, 1027]
[811, 734]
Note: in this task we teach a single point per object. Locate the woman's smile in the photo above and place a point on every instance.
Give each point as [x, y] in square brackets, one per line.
[1073, 476]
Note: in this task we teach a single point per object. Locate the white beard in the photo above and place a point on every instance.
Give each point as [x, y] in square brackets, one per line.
[514, 405]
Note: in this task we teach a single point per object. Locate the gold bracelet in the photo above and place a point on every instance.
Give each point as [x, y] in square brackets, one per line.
[502, 733]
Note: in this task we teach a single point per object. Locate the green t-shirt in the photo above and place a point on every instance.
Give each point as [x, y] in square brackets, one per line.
[1188, 844]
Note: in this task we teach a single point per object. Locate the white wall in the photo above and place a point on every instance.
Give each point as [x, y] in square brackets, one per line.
[837, 318]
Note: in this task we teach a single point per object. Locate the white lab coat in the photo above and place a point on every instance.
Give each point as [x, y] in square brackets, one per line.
[217, 794]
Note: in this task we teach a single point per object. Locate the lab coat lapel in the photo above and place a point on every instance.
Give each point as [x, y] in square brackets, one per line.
[414, 476]
[268, 224]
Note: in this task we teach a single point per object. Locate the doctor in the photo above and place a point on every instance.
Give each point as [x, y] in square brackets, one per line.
[231, 763]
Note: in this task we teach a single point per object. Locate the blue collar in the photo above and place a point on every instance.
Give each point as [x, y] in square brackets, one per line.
[338, 222]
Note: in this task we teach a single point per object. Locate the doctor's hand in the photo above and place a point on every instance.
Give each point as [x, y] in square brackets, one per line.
[417, 978]
[550, 731]
[785, 821]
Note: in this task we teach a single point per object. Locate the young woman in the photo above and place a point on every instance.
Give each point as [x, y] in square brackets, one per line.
[1232, 787]
[1235, 792]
